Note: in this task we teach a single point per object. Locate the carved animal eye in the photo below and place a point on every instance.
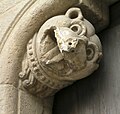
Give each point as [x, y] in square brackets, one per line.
[76, 28]
[90, 53]
[73, 14]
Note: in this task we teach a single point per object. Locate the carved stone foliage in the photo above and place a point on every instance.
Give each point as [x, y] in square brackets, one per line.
[65, 49]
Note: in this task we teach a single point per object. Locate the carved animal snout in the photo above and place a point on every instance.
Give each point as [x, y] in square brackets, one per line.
[67, 39]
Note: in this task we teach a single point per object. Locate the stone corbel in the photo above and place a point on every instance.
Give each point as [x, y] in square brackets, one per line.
[45, 46]
[64, 50]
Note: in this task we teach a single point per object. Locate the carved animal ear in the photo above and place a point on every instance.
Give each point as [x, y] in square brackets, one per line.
[93, 53]
[74, 13]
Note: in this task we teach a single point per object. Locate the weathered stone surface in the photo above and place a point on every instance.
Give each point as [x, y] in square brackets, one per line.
[26, 101]
[19, 31]
[13, 50]
[25, 23]
[8, 99]
[64, 50]
[8, 21]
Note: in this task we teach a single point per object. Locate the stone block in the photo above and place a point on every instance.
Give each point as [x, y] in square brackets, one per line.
[8, 99]
[29, 104]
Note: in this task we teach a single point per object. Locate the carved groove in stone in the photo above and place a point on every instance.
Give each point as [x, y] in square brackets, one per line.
[64, 50]
[15, 21]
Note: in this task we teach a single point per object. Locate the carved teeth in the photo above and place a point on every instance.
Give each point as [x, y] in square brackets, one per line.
[30, 53]
[21, 75]
[32, 59]
[36, 69]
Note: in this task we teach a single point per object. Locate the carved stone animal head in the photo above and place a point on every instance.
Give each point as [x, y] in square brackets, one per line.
[64, 50]
[68, 46]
